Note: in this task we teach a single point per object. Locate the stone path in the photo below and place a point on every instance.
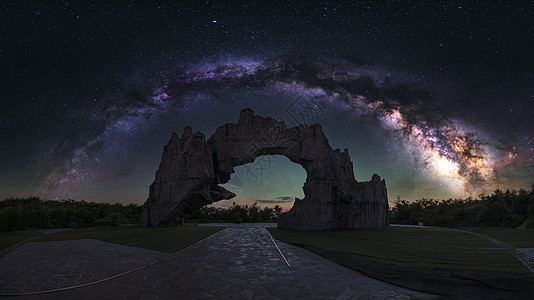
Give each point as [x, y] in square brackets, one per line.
[39, 266]
[240, 262]
[527, 251]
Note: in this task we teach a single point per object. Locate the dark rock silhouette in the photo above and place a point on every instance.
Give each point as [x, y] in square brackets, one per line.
[191, 169]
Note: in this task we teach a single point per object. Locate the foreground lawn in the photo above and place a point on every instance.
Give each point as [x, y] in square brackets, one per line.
[10, 238]
[169, 239]
[519, 238]
[435, 260]
[419, 247]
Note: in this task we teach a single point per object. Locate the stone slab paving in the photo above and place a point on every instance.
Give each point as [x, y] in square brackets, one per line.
[38, 266]
[527, 251]
[240, 262]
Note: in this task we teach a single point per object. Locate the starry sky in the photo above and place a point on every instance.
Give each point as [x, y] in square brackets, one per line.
[437, 98]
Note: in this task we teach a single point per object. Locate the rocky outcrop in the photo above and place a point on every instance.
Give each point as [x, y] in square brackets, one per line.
[191, 169]
[184, 181]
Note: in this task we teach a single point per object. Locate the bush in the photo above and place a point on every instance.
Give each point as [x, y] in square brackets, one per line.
[114, 219]
[236, 214]
[34, 213]
[500, 209]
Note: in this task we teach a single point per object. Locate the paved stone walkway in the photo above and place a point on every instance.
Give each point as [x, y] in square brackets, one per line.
[527, 251]
[240, 262]
[39, 266]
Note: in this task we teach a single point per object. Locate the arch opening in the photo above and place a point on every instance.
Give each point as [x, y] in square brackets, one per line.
[268, 181]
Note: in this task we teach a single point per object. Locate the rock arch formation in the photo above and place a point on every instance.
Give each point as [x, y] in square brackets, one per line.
[192, 168]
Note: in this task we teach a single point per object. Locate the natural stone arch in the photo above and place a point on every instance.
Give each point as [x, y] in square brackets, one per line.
[192, 168]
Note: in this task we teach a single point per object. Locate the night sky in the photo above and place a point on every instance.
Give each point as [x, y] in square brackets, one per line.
[437, 98]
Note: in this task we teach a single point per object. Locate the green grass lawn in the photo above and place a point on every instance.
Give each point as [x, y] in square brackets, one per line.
[435, 260]
[10, 238]
[519, 238]
[420, 247]
[169, 239]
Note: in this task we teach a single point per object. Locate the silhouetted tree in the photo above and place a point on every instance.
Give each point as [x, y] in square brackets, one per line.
[34, 213]
[508, 208]
[235, 214]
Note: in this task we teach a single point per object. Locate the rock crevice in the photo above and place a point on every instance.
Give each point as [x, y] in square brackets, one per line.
[192, 168]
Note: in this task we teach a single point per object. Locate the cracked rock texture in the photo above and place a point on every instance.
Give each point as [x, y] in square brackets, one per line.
[192, 168]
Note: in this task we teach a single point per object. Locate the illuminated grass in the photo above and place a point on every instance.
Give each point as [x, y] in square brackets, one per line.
[519, 238]
[419, 247]
[11, 238]
[169, 239]
[439, 261]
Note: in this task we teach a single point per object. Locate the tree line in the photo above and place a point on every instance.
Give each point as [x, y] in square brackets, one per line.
[508, 208]
[236, 214]
[35, 213]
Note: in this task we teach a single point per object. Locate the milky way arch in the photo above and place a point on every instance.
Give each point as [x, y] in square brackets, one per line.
[446, 146]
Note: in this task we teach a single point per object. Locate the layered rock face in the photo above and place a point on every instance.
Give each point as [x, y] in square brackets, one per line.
[191, 169]
[184, 182]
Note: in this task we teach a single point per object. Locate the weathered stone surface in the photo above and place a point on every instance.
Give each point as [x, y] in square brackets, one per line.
[191, 169]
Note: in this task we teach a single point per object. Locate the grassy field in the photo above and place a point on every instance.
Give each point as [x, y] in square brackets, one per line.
[169, 239]
[420, 247]
[519, 238]
[435, 260]
[10, 238]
